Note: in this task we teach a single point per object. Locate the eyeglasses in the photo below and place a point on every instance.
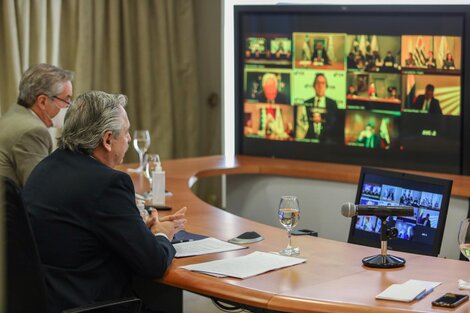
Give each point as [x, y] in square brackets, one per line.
[67, 102]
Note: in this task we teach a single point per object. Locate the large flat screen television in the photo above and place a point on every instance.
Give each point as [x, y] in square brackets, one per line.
[371, 85]
[420, 233]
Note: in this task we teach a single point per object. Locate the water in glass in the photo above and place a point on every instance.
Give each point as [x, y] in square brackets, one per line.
[289, 215]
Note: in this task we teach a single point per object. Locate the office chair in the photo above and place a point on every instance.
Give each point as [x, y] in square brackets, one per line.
[25, 285]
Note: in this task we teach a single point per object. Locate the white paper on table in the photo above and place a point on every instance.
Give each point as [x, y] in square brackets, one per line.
[204, 246]
[245, 266]
[407, 291]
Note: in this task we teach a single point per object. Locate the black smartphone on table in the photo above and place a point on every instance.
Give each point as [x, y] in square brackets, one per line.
[450, 300]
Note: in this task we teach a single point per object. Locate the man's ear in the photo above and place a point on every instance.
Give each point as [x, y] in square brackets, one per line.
[41, 100]
[106, 140]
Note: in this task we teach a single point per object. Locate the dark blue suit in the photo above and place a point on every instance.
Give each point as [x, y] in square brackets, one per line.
[434, 106]
[89, 232]
[329, 116]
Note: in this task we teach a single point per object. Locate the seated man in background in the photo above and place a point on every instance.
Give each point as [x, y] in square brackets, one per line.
[426, 103]
[45, 93]
[90, 235]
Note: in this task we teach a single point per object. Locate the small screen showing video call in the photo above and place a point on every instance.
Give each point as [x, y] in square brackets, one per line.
[397, 91]
[414, 233]
[419, 227]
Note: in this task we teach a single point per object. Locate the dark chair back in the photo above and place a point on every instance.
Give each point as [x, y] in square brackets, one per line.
[25, 286]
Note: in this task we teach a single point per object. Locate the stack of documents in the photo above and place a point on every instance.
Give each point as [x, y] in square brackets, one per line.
[203, 246]
[245, 266]
[408, 291]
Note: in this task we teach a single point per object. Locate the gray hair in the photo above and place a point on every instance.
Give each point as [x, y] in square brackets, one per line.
[42, 79]
[90, 116]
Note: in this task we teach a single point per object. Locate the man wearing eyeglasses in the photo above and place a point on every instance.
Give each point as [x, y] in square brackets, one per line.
[45, 93]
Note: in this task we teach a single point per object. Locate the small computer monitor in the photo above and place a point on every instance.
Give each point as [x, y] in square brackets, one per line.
[420, 233]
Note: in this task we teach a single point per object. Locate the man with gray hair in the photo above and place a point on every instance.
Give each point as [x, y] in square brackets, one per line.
[90, 235]
[45, 92]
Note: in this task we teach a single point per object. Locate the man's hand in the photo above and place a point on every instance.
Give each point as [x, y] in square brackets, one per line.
[168, 225]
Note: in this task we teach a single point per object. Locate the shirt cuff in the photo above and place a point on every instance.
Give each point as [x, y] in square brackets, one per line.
[162, 234]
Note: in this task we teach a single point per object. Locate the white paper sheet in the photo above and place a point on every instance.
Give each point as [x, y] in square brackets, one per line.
[245, 266]
[408, 291]
[204, 246]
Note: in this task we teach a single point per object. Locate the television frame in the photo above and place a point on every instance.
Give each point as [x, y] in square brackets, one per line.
[292, 150]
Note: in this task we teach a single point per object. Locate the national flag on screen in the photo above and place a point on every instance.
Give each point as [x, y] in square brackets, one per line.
[262, 118]
[278, 122]
[411, 91]
[442, 50]
[362, 43]
[384, 134]
[374, 43]
[330, 49]
[419, 56]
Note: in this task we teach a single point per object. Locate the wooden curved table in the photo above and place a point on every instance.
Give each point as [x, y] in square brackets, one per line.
[333, 278]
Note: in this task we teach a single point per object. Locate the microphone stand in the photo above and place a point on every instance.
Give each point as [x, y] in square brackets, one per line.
[384, 260]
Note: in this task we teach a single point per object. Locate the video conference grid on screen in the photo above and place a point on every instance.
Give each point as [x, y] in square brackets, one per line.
[420, 227]
[420, 233]
[353, 90]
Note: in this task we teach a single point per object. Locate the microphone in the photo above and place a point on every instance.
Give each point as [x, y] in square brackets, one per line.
[351, 209]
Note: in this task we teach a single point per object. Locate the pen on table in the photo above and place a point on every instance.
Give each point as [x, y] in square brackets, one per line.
[182, 240]
[424, 293]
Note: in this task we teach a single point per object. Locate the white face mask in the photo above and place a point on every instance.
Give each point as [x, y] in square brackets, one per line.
[58, 120]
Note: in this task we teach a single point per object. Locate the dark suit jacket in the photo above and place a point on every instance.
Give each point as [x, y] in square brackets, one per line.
[90, 235]
[330, 104]
[312, 135]
[329, 118]
[324, 55]
[434, 107]
[431, 63]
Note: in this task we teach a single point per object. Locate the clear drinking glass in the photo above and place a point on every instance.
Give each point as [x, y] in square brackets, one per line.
[151, 162]
[289, 215]
[141, 144]
[464, 244]
[464, 238]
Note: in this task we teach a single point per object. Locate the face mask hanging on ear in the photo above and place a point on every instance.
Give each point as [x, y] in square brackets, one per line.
[58, 120]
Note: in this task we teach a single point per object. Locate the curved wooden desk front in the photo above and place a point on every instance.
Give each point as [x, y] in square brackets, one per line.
[333, 278]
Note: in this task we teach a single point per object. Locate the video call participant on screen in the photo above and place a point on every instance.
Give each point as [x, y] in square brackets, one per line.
[427, 103]
[392, 93]
[90, 235]
[430, 60]
[389, 60]
[320, 55]
[321, 101]
[322, 104]
[45, 92]
[448, 63]
[271, 93]
[316, 129]
[351, 61]
[410, 61]
[352, 91]
[369, 138]
[426, 221]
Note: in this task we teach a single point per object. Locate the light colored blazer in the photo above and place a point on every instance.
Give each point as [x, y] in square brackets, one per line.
[24, 142]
